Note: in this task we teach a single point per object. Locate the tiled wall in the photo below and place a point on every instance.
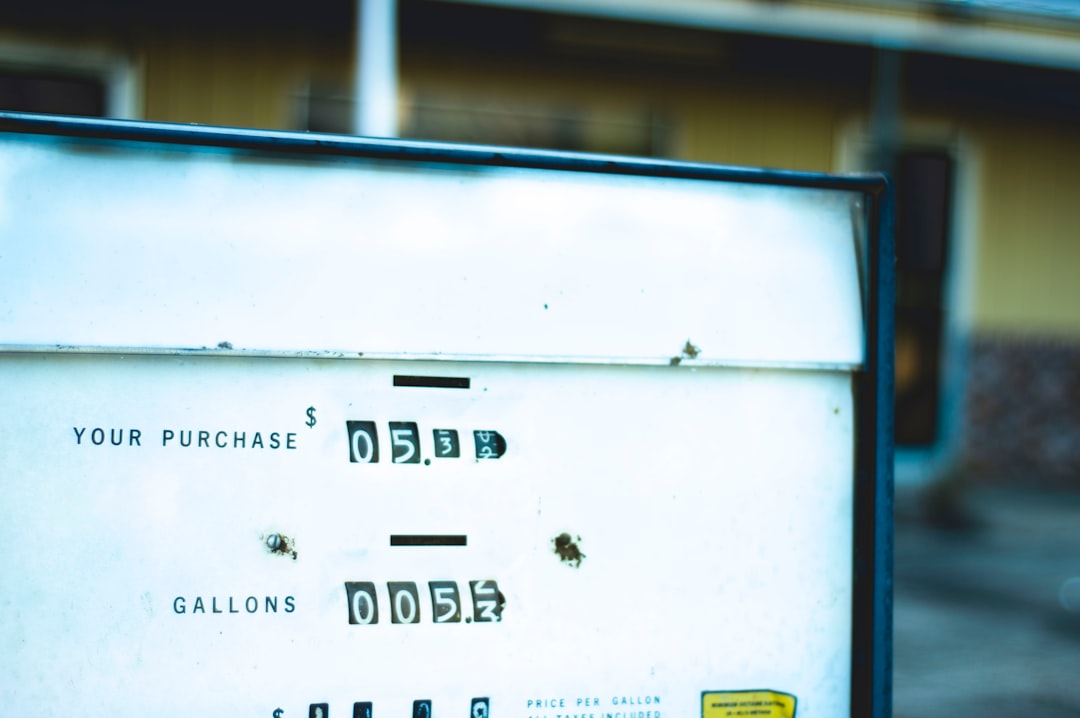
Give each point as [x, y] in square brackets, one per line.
[1023, 411]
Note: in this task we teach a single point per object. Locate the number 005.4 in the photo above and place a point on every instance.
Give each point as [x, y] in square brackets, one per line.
[404, 601]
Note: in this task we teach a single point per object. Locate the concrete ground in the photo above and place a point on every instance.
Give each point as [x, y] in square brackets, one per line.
[981, 589]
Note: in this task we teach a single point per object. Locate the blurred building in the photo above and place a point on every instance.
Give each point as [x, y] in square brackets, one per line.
[973, 105]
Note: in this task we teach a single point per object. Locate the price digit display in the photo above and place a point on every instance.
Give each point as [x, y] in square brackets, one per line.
[487, 606]
[363, 606]
[404, 602]
[481, 708]
[405, 441]
[489, 444]
[445, 602]
[363, 442]
[446, 444]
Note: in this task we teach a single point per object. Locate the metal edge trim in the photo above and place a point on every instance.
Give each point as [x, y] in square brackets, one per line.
[421, 151]
[348, 355]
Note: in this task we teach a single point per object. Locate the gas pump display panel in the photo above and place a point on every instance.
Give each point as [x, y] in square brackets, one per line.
[383, 429]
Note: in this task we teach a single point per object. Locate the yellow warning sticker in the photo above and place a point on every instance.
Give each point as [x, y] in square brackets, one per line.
[756, 704]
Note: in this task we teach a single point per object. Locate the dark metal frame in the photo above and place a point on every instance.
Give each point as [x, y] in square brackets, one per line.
[871, 651]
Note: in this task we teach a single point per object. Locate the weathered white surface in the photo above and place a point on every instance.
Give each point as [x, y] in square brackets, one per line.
[713, 503]
[106, 246]
[713, 506]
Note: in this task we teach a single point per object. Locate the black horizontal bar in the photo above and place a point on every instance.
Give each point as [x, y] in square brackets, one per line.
[428, 539]
[433, 382]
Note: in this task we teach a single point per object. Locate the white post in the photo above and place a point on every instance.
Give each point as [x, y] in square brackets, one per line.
[376, 71]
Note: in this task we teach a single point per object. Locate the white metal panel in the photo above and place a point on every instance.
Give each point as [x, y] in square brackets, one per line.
[669, 512]
[129, 247]
[713, 508]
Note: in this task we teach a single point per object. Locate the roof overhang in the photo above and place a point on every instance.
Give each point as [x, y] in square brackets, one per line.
[977, 33]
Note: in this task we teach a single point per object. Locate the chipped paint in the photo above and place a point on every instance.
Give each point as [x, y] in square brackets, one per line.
[688, 351]
[566, 548]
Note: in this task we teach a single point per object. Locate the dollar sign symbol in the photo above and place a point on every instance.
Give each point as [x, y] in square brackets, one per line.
[278, 713]
[310, 417]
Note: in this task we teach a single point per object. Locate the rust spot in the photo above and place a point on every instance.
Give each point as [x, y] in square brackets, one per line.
[280, 544]
[689, 351]
[566, 548]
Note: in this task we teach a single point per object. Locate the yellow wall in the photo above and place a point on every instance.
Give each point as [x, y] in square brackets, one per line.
[1027, 263]
[251, 80]
[603, 101]
[790, 130]
[721, 123]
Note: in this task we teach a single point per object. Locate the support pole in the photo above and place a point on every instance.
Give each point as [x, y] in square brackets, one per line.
[376, 69]
[885, 108]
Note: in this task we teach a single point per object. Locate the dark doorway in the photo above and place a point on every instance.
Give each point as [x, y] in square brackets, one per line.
[923, 182]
